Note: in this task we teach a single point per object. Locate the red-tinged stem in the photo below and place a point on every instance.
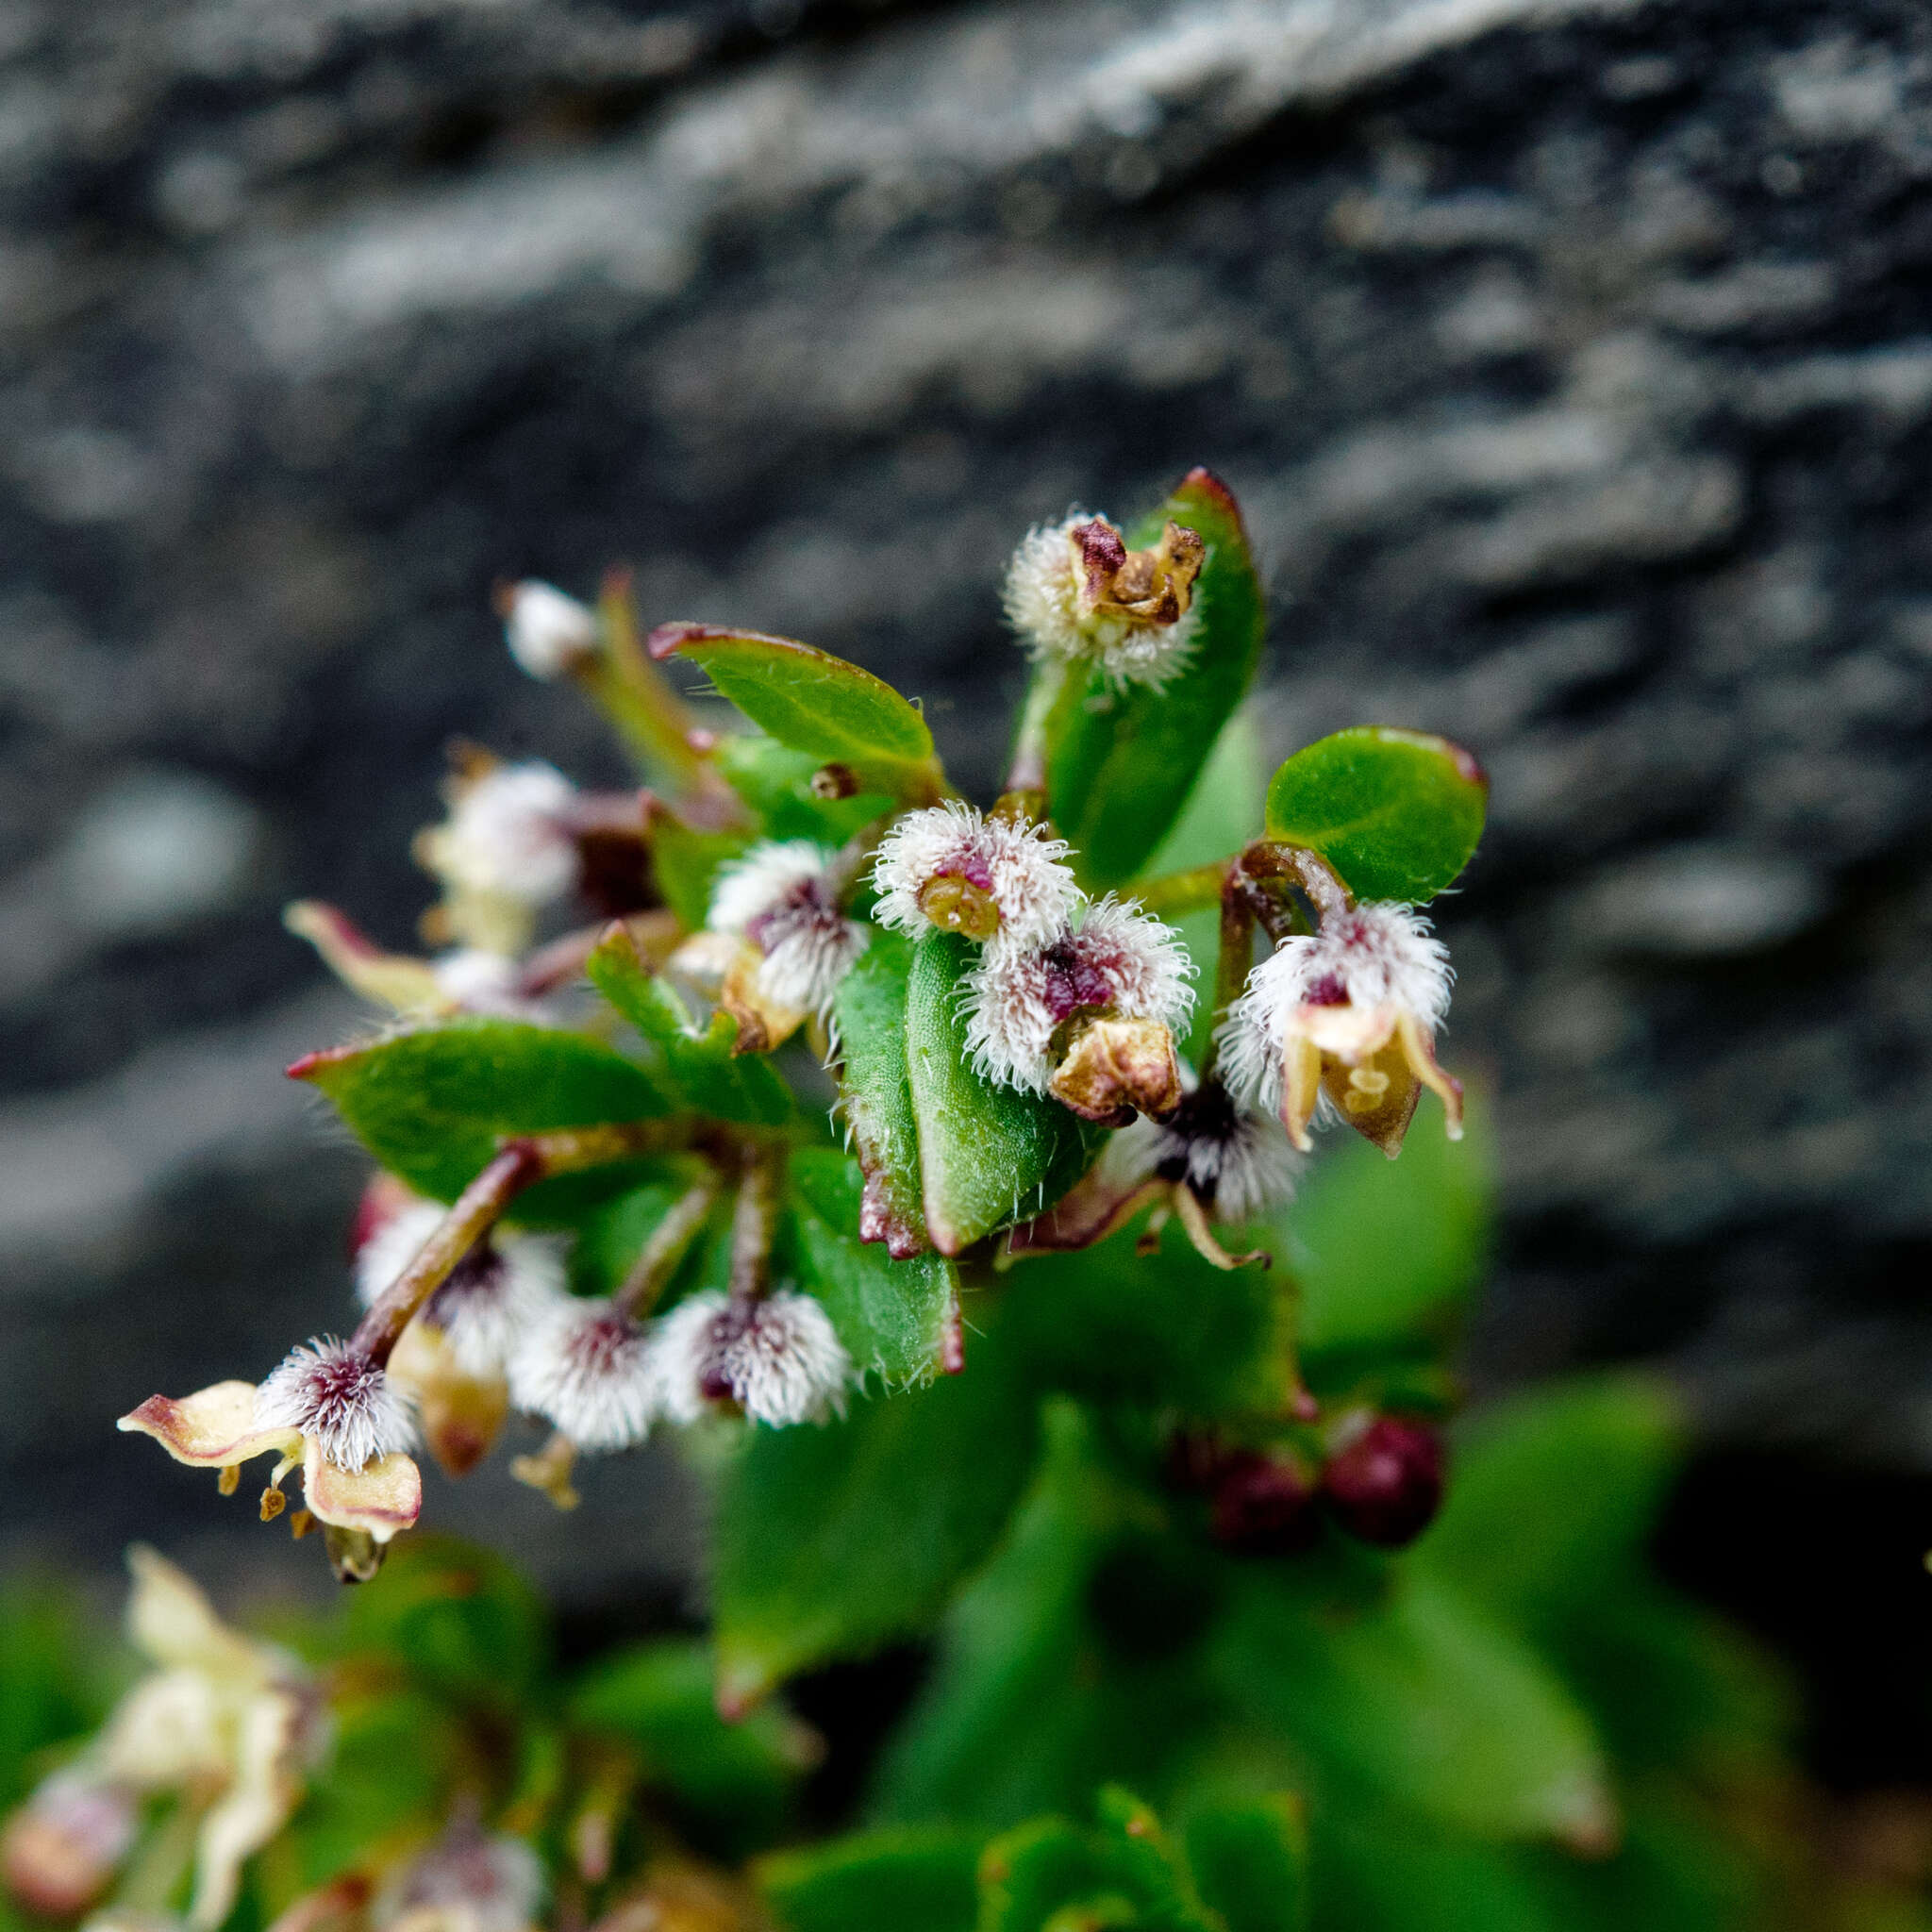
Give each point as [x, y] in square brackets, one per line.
[519, 1164]
[1176, 893]
[1028, 772]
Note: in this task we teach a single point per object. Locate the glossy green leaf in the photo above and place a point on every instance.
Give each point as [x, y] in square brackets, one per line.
[988, 1155]
[876, 1086]
[1397, 813]
[915, 1878]
[1424, 1698]
[1165, 1329]
[432, 1103]
[893, 1316]
[1073, 1657]
[834, 1541]
[698, 1069]
[1121, 762]
[814, 702]
[1250, 1861]
[776, 782]
[1386, 1252]
[733, 1785]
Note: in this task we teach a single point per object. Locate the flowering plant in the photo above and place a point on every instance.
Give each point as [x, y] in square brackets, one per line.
[930, 1165]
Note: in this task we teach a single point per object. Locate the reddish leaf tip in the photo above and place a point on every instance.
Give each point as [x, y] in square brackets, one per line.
[665, 638]
[300, 1070]
[1206, 483]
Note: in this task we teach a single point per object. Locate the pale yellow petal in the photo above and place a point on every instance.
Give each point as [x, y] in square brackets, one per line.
[172, 1622]
[211, 1428]
[383, 1498]
[257, 1802]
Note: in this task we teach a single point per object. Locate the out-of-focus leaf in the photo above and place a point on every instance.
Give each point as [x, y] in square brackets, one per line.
[988, 1155]
[1397, 813]
[893, 1316]
[733, 1783]
[1250, 1861]
[876, 1087]
[1381, 1868]
[391, 1769]
[1163, 1329]
[916, 1878]
[1421, 1697]
[55, 1676]
[610, 1236]
[462, 1621]
[699, 1069]
[432, 1103]
[834, 1541]
[1385, 1251]
[814, 702]
[1073, 1657]
[1048, 1874]
[1122, 763]
[686, 859]
[776, 782]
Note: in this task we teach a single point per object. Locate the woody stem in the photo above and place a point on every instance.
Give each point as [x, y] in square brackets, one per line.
[754, 1224]
[518, 1164]
[670, 1242]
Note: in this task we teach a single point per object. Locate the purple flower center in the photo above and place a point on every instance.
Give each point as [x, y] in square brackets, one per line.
[1326, 991]
[1073, 979]
[730, 1326]
[600, 1346]
[479, 1273]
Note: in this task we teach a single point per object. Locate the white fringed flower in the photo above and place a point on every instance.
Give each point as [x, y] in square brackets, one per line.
[783, 897]
[491, 1298]
[1238, 1164]
[1119, 963]
[584, 1365]
[947, 868]
[335, 1396]
[468, 1880]
[509, 834]
[780, 1359]
[476, 981]
[1352, 1011]
[548, 633]
[1075, 591]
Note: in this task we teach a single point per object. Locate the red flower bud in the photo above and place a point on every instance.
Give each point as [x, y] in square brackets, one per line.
[1386, 1485]
[1264, 1505]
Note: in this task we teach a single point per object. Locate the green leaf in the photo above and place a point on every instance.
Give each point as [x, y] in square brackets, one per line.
[1421, 1698]
[814, 703]
[1163, 1329]
[988, 1155]
[893, 1316]
[1386, 1252]
[1073, 1657]
[54, 1679]
[918, 1878]
[1122, 763]
[685, 863]
[1250, 1859]
[610, 1237]
[776, 782]
[832, 1542]
[1396, 813]
[431, 1103]
[876, 1086]
[1048, 1874]
[732, 1784]
[698, 1068]
[462, 1621]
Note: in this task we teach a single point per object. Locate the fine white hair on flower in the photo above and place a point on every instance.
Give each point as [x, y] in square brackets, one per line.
[335, 1394]
[584, 1365]
[547, 632]
[780, 1359]
[1381, 958]
[783, 896]
[1019, 867]
[1043, 605]
[488, 1300]
[1118, 961]
[1239, 1163]
[480, 1880]
[510, 831]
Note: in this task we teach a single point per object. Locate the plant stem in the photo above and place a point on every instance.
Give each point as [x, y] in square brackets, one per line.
[1176, 893]
[1028, 772]
[754, 1222]
[670, 1242]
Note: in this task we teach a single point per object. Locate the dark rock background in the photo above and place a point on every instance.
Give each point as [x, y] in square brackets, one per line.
[1573, 358]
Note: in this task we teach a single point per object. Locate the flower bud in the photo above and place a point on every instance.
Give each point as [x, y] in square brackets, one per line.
[1384, 1483]
[783, 899]
[548, 633]
[1075, 591]
[585, 1366]
[59, 1851]
[1119, 1068]
[1264, 1505]
[341, 1400]
[779, 1360]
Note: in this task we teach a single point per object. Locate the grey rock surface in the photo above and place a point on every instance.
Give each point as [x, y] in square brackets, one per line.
[1573, 358]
